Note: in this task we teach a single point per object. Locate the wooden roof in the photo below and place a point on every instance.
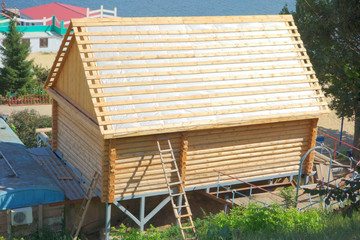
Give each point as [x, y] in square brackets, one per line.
[158, 75]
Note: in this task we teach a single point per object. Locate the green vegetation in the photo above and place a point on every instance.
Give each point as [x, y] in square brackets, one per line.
[24, 124]
[43, 235]
[16, 75]
[330, 31]
[258, 222]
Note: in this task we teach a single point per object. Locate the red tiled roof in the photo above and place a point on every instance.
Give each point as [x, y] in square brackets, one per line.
[63, 12]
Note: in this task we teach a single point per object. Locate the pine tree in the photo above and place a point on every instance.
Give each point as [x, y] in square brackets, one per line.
[16, 75]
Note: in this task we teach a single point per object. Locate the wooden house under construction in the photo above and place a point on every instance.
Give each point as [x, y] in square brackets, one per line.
[235, 94]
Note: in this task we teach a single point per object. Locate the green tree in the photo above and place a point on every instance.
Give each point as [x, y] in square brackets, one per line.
[41, 73]
[330, 30]
[24, 124]
[16, 75]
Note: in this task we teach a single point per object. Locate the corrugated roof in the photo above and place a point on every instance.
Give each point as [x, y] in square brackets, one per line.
[156, 75]
[33, 186]
[63, 12]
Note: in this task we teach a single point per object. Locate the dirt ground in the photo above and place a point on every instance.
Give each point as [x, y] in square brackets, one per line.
[42, 109]
[44, 59]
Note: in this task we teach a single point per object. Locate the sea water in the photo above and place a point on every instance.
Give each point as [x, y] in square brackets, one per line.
[165, 8]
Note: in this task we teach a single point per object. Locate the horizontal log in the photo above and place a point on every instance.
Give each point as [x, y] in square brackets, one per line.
[273, 153]
[244, 137]
[244, 150]
[245, 144]
[208, 170]
[265, 127]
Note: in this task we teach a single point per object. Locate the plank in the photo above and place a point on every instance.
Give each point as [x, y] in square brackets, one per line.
[148, 130]
[181, 32]
[202, 105]
[180, 20]
[211, 113]
[192, 55]
[188, 39]
[200, 88]
[178, 48]
[193, 97]
[198, 71]
[193, 80]
[195, 63]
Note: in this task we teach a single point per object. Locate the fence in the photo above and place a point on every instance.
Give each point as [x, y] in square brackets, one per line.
[27, 100]
[60, 27]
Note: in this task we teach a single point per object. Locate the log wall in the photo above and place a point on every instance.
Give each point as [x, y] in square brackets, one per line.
[72, 83]
[245, 152]
[138, 168]
[80, 144]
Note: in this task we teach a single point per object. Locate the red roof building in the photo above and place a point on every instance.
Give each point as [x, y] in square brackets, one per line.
[63, 12]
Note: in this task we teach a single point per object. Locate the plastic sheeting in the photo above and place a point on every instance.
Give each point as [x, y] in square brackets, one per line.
[160, 108]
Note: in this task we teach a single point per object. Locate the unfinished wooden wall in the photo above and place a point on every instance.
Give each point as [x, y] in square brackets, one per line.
[246, 152]
[138, 167]
[52, 219]
[79, 143]
[72, 83]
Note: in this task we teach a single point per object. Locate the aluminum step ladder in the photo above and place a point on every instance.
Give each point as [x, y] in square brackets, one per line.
[84, 207]
[177, 193]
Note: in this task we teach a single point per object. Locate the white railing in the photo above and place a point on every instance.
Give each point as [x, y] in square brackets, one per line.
[101, 13]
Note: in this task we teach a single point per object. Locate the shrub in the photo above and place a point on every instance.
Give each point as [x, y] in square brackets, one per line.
[24, 124]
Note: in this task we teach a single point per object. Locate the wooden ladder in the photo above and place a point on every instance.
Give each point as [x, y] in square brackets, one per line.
[176, 190]
[84, 207]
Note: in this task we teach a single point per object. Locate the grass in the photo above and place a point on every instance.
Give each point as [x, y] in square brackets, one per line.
[259, 223]
[252, 223]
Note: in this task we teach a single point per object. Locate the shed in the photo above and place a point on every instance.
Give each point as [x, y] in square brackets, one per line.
[24, 184]
[236, 94]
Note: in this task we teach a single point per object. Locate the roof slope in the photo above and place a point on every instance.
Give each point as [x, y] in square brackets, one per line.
[63, 12]
[155, 75]
[33, 186]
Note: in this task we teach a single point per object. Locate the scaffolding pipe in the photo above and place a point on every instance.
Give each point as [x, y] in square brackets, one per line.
[300, 169]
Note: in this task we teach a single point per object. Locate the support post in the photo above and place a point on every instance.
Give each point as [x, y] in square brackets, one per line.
[143, 220]
[308, 164]
[40, 220]
[55, 117]
[142, 213]
[226, 207]
[8, 222]
[107, 220]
